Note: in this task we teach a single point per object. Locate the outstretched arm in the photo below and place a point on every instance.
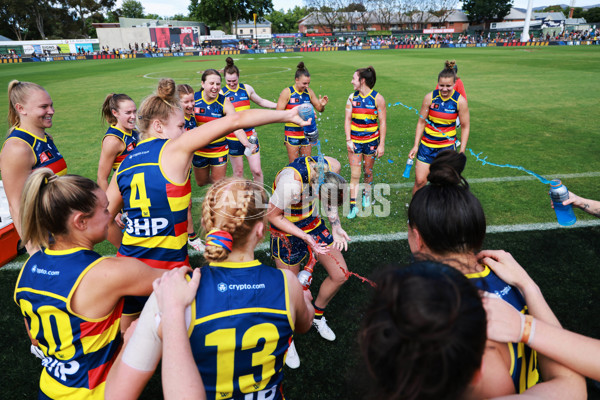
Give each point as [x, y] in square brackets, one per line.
[581, 354]
[283, 99]
[559, 382]
[589, 206]
[259, 100]
[179, 151]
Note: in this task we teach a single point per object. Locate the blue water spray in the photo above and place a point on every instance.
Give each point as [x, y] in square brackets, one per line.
[321, 162]
[484, 160]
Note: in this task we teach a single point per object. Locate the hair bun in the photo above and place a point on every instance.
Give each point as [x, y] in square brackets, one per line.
[450, 64]
[446, 169]
[229, 61]
[166, 89]
[301, 66]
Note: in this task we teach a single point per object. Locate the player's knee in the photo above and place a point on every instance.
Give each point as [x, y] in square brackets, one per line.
[257, 174]
[199, 181]
[419, 184]
[238, 171]
[355, 174]
[340, 277]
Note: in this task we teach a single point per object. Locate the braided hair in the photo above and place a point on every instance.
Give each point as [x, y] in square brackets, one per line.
[232, 205]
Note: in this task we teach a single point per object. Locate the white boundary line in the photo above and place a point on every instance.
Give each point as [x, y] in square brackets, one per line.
[410, 183]
[547, 226]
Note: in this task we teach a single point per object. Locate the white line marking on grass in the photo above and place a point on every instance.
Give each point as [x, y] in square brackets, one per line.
[285, 69]
[546, 226]
[480, 180]
[509, 179]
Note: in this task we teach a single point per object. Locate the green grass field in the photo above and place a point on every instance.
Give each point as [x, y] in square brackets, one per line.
[532, 107]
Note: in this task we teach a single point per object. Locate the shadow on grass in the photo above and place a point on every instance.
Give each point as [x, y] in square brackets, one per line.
[563, 262]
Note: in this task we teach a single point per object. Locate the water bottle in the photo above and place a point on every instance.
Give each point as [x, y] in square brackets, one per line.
[306, 111]
[559, 193]
[409, 164]
[253, 140]
[305, 278]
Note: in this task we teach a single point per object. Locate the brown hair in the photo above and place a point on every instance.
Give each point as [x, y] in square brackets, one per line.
[111, 102]
[368, 74]
[18, 92]
[448, 216]
[423, 335]
[231, 68]
[47, 202]
[158, 106]
[301, 70]
[449, 71]
[233, 205]
[184, 89]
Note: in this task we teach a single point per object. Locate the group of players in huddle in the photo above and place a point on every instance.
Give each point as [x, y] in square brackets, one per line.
[225, 330]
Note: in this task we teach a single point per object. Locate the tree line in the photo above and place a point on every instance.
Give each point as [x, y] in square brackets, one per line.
[73, 19]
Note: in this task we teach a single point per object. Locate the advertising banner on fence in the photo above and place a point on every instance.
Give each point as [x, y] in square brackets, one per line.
[165, 37]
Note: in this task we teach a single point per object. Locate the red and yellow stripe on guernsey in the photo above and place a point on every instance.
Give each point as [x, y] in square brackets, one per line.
[179, 195]
[162, 264]
[292, 130]
[361, 132]
[445, 129]
[299, 212]
[96, 335]
[309, 227]
[59, 167]
[49, 386]
[179, 198]
[216, 148]
[241, 105]
[166, 242]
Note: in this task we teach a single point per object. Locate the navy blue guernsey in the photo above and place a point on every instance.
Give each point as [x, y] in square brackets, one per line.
[240, 330]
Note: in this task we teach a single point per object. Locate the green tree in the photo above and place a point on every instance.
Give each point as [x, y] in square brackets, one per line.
[354, 7]
[483, 11]
[556, 8]
[14, 17]
[85, 9]
[180, 17]
[286, 22]
[592, 15]
[132, 9]
[225, 13]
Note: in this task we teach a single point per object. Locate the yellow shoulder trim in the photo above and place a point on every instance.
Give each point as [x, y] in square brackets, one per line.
[486, 271]
[231, 264]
